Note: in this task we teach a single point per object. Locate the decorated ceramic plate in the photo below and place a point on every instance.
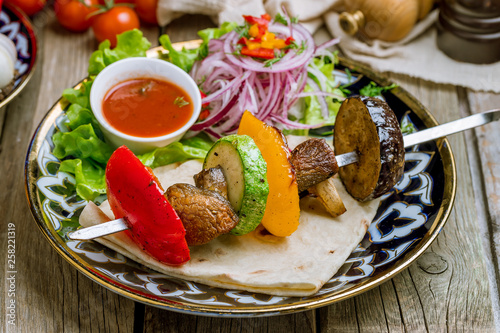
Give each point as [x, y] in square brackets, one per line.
[17, 26]
[408, 219]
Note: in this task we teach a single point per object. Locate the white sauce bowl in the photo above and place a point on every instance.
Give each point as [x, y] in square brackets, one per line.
[133, 68]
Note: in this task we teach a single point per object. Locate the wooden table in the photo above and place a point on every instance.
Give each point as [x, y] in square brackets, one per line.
[51, 296]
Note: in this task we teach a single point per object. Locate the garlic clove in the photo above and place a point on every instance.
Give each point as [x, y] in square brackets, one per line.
[8, 45]
[6, 68]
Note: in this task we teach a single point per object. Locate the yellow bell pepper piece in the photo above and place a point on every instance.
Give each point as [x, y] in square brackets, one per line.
[253, 45]
[281, 217]
[267, 45]
[254, 30]
[268, 40]
[268, 36]
[279, 44]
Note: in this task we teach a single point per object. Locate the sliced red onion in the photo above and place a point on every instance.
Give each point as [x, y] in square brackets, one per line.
[292, 124]
[236, 83]
[215, 116]
[324, 107]
[326, 45]
[320, 93]
[231, 86]
[313, 70]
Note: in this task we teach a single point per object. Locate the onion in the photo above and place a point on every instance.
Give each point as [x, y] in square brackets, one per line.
[235, 83]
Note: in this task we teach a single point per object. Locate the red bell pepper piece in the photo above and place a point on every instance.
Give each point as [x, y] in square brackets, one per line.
[289, 40]
[258, 52]
[136, 196]
[261, 21]
[203, 95]
[204, 115]
[266, 17]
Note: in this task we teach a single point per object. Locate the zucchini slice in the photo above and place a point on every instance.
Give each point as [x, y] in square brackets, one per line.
[245, 171]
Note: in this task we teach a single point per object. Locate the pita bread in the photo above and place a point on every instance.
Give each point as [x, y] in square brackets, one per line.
[297, 265]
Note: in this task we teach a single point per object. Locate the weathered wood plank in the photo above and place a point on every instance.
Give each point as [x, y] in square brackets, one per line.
[15, 216]
[3, 114]
[484, 155]
[489, 151]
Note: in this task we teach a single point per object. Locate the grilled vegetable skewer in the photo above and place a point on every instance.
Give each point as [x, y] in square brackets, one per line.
[344, 159]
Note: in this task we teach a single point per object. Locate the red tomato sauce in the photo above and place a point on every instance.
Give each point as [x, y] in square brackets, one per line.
[146, 107]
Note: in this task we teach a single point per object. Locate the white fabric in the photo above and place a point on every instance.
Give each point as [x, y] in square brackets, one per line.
[416, 55]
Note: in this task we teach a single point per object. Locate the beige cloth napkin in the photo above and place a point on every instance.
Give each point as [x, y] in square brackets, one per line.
[416, 55]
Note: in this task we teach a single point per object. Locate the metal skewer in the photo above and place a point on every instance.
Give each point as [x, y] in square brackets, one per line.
[434, 133]
[423, 136]
[99, 230]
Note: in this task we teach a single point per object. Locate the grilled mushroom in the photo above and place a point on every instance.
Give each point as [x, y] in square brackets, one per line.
[314, 162]
[212, 179]
[205, 214]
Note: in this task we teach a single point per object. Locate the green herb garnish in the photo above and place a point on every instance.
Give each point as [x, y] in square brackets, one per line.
[407, 126]
[280, 19]
[270, 62]
[372, 89]
[180, 101]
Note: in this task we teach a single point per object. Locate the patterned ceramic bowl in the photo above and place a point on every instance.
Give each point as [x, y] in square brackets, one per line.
[17, 27]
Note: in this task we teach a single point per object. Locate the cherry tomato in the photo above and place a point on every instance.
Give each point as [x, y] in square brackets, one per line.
[74, 15]
[113, 22]
[29, 7]
[146, 9]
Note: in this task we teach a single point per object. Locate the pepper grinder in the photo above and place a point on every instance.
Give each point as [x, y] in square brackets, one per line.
[469, 30]
[388, 20]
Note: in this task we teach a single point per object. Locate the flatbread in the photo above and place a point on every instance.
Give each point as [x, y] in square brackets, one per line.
[297, 265]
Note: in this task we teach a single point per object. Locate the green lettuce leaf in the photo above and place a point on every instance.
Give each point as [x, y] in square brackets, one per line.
[81, 142]
[129, 44]
[200, 141]
[80, 96]
[211, 33]
[89, 177]
[312, 111]
[185, 58]
[78, 116]
[176, 152]
[214, 33]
